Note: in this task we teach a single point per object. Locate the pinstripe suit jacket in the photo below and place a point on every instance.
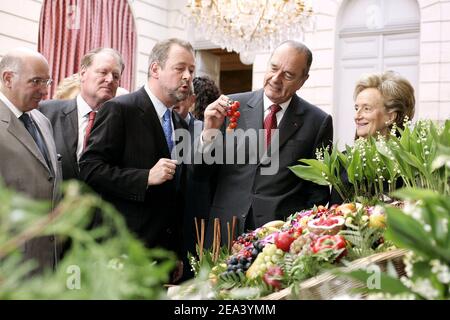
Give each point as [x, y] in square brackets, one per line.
[64, 119]
[126, 141]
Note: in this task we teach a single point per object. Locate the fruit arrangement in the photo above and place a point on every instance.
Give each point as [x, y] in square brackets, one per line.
[233, 113]
[280, 253]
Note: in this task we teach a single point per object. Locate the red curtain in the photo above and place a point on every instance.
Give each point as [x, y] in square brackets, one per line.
[70, 28]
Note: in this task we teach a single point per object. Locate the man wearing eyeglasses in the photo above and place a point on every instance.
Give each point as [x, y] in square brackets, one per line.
[72, 120]
[28, 159]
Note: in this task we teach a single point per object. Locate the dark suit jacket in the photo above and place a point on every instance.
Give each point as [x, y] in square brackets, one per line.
[126, 141]
[64, 119]
[241, 188]
[24, 169]
[197, 195]
[197, 202]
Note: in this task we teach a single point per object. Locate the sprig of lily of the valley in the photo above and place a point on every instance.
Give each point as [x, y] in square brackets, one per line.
[416, 155]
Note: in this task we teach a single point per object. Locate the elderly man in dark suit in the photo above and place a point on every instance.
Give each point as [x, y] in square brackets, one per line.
[245, 190]
[72, 120]
[28, 159]
[129, 155]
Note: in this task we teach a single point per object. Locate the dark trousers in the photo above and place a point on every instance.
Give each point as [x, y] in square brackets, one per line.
[249, 224]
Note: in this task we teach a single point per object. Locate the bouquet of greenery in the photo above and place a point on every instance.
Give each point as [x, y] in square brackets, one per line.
[375, 165]
[105, 262]
[422, 227]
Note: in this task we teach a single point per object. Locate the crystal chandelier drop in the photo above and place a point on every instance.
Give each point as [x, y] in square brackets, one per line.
[250, 25]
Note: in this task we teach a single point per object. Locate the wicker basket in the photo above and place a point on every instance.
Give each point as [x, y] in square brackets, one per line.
[328, 285]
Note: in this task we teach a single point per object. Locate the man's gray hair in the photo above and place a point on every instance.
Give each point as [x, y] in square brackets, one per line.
[13, 60]
[160, 51]
[301, 48]
[10, 63]
[88, 58]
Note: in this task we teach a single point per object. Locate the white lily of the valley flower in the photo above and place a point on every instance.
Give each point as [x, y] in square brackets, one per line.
[441, 270]
[413, 210]
[425, 288]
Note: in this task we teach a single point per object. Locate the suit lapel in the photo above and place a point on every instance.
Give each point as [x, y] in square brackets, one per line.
[17, 129]
[253, 115]
[47, 135]
[191, 123]
[179, 123]
[69, 122]
[151, 120]
[292, 120]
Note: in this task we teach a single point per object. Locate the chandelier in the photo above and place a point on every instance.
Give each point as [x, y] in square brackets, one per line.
[250, 25]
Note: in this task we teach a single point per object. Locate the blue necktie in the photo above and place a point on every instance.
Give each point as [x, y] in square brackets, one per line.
[35, 134]
[167, 127]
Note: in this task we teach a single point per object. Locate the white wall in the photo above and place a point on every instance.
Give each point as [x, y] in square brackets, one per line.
[434, 88]
[155, 20]
[19, 24]
[151, 19]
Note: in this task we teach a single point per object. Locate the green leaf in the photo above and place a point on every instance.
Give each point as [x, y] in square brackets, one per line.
[442, 157]
[387, 284]
[112, 262]
[416, 194]
[310, 174]
[411, 160]
[354, 168]
[421, 269]
[318, 165]
[405, 139]
[406, 232]
[343, 158]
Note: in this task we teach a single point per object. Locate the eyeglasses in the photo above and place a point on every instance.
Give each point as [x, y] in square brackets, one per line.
[41, 82]
[38, 81]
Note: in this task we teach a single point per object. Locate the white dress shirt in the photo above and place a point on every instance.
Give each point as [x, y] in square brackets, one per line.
[267, 104]
[188, 118]
[160, 108]
[10, 105]
[83, 110]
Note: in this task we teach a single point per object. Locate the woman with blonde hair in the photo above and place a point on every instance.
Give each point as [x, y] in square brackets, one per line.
[382, 100]
[68, 88]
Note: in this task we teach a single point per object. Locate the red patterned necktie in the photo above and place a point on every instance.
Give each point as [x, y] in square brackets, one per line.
[270, 123]
[89, 128]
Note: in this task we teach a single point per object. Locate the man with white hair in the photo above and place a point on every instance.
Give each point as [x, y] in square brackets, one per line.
[28, 160]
